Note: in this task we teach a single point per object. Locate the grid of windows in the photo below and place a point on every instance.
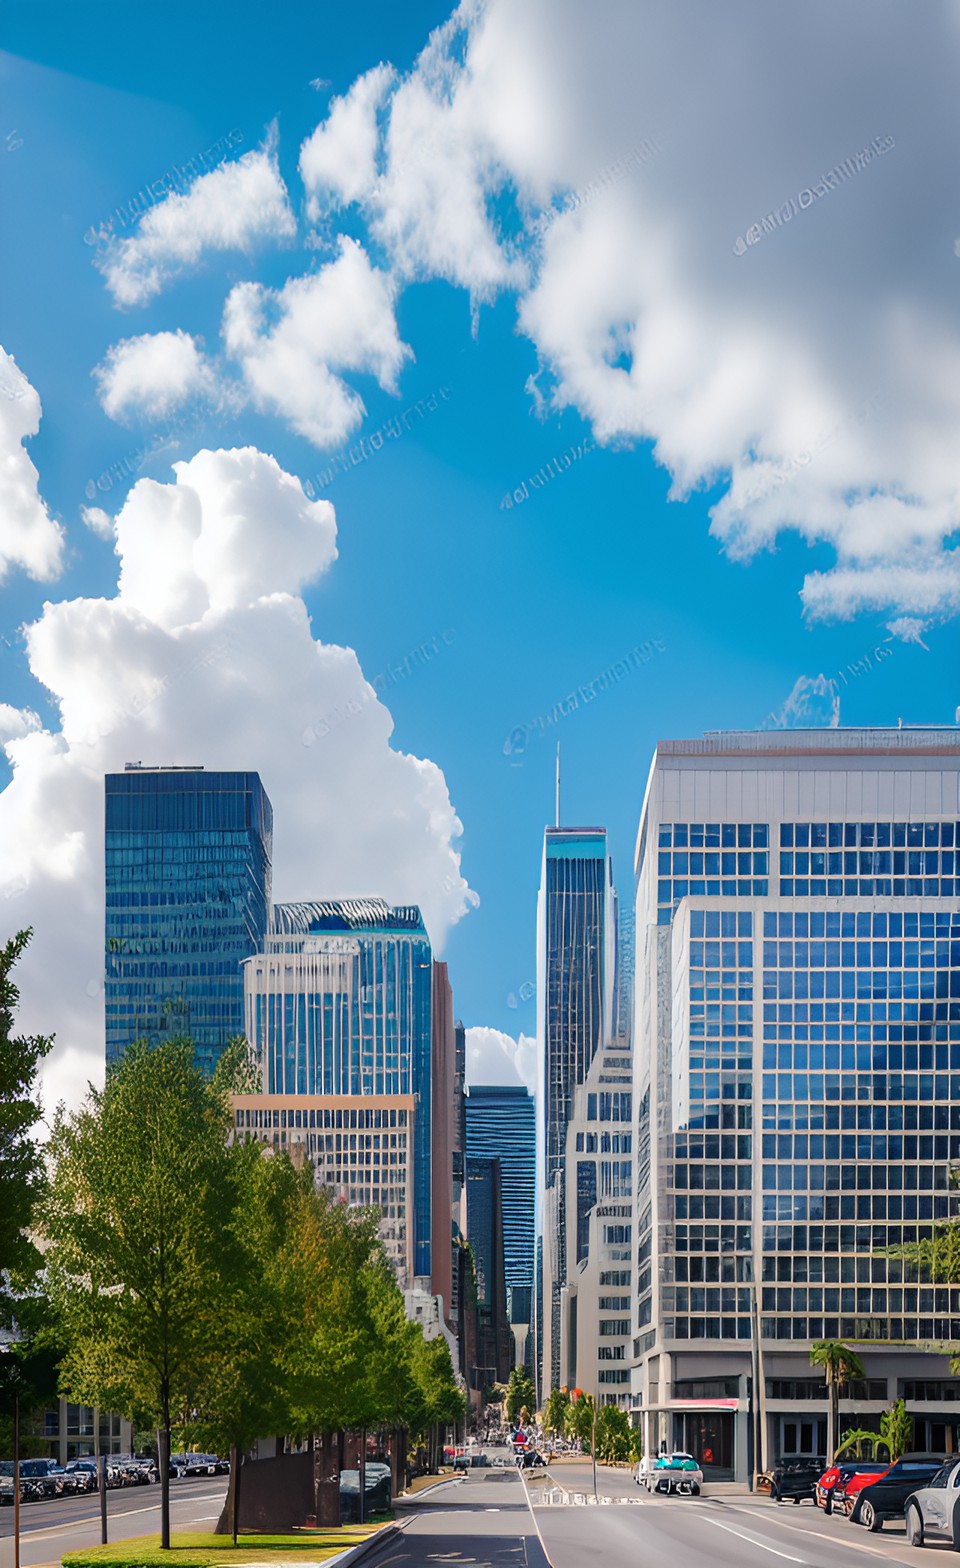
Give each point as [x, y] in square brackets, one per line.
[814, 1388]
[728, 859]
[861, 1092]
[869, 859]
[706, 1292]
[364, 1153]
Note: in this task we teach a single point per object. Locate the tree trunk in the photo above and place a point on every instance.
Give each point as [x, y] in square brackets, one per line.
[236, 1470]
[362, 1472]
[833, 1421]
[164, 1445]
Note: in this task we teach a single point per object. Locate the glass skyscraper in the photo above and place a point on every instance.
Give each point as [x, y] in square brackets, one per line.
[576, 979]
[339, 1005]
[501, 1124]
[797, 1081]
[188, 865]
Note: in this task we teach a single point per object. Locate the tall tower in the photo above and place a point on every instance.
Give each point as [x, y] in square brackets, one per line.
[188, 865]
[576, 969]
[501, 1124]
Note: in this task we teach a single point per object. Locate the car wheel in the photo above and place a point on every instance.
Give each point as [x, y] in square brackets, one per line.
[955, 1543]
[914, 1527]
[695, 1489]
[869, 1518]
[828, 1504]
[797, 1500]
[774, 1495]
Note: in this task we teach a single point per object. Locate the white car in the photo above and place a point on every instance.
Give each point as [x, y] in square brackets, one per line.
[935, 1508]
[670, 1473]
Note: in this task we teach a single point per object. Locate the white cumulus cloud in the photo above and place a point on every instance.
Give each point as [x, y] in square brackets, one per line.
[339, 159]
[293, 343]
[153, 375]
[205, 654]
[814, 703]
[29, 536]
[497, 1058]
[606, 175]
[235, 207]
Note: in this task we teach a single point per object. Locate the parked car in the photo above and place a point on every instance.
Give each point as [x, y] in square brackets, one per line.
[935, 1508]
[885, 1496]
[377, 1492]
[833, 1477]
[30, 1492]
[531, 1459]
[84, 1472]
[670, 1473]
[795, 1476]
[46, 1475]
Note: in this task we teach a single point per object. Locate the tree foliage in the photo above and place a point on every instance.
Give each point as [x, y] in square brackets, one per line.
[520, 1393]
[613, 1434]
[579, 1419]
[896, 1428]
[840, 1365]
[21, 1165]
[555, 1410]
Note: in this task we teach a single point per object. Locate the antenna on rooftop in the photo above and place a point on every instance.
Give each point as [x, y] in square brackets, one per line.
[557, 822]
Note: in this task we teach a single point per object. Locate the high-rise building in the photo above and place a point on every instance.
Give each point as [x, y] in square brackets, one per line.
[188, 864]
[485, 1234]
[796, 1084]
[596, 1301]
[576, 977]
[445, 1120]
[501, 1124]
[339, 1011]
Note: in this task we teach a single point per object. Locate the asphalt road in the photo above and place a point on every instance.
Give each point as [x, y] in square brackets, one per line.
[63, 1524]
[628, 1525]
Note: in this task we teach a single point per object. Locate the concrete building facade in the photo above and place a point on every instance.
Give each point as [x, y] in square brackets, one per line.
[796, 1082]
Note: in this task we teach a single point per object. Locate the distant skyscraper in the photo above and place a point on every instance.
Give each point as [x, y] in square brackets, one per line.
[576, 972]
[501, 1124]
[485, 1234]
[339, 1004]
[188, 864]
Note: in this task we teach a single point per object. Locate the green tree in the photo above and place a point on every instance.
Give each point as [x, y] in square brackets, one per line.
[555, 1410]
[856, 1438]
[897, 1429]
[840, 1365]
[21, 1163]
[241, 1390]
[138, 1224]
[520, 1393]
[613, 1434]
[579, 1419]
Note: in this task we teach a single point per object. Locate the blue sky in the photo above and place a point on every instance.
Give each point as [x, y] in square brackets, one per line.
[718, 365]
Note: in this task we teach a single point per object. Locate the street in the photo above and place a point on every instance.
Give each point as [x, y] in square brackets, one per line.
[63, 1524]
[484, 1519]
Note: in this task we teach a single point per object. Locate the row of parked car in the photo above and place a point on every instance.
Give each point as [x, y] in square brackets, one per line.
[922, 1489]
[42, 1478]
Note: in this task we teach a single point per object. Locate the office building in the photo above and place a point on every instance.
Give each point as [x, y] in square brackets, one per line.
[796, 1083]
[339, 1009]
[596, 1301]
[576, 981]
[501, 1124]
[485, 1234]
[188, 863]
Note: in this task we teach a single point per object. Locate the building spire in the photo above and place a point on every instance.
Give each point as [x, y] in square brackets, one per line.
[557, 820]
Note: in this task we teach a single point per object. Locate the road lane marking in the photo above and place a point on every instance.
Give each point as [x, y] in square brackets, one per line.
[858, 1546]
[753, 1542]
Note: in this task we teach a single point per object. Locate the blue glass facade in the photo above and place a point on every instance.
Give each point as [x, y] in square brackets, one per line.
[339, 1002]
[188, 866]
[501, 1124]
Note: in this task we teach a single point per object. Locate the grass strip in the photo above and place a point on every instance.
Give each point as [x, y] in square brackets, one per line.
[206, 1550]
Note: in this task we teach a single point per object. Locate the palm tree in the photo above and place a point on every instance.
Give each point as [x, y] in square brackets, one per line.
[840, 1365]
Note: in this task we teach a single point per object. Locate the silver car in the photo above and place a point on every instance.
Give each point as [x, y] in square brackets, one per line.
[935, 1508]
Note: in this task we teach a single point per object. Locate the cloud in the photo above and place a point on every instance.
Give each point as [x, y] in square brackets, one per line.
[292, 342]
[29, 536]
[338, 161]
[813, 703]
[235, 207]
[153, 375]
[205, 654]
[815, 378]
[909, 629]
[98, 521]
[497, 1058]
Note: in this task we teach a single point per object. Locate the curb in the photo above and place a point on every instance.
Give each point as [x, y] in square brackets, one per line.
[356, 1554]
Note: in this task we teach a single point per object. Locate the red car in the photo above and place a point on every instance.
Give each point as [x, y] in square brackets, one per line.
[847, 1492]
[832, 1484]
